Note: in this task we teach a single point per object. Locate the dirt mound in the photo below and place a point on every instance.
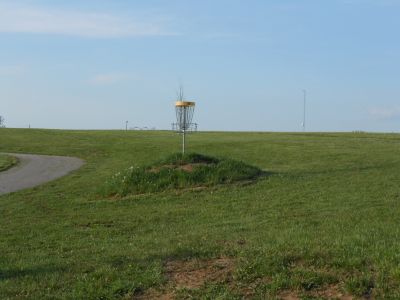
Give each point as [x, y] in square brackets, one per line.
[180, 172]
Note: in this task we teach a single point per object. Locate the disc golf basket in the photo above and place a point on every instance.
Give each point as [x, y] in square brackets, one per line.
[184, 114]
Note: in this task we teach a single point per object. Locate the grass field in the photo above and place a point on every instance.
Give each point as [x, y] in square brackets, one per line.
[6, 162]
[325, 223]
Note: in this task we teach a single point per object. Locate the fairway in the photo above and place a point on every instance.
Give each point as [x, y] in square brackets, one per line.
[323, 224]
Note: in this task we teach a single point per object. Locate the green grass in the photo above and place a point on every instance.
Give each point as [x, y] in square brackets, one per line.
[326, 216]
[179, 171]
[6, 162]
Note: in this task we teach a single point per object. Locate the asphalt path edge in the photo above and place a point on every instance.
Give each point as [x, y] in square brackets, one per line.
[33, 170]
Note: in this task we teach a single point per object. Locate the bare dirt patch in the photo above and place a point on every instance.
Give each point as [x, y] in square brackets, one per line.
[195, 273]
[191, 274]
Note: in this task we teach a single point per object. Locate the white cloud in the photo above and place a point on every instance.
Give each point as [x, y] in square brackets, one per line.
[385, 113]
[107, 79]
[27, 19]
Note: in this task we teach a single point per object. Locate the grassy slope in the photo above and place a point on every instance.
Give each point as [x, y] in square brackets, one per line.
[328, 214]
[6, 162]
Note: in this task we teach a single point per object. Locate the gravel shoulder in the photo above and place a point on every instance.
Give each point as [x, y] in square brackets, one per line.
[33, 170]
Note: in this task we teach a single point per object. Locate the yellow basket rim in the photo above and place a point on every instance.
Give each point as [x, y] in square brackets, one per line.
[184, 103]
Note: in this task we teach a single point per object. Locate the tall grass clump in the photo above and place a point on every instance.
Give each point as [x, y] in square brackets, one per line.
[180, 171]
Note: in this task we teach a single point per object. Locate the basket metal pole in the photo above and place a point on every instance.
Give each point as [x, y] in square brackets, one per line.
[183, 142]
[184, 130]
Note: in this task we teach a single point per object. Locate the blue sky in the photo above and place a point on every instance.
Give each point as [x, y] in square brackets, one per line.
[96, 63]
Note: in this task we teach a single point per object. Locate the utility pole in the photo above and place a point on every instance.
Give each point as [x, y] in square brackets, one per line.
[126, 125]
[304, 110]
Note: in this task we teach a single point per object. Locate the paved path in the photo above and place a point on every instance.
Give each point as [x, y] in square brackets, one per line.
[33, 170]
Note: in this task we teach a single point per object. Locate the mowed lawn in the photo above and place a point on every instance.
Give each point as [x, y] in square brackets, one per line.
[324, 223]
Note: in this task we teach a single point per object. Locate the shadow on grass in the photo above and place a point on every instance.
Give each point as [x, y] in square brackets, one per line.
[33, 271]
[179, 254]
[333, 171]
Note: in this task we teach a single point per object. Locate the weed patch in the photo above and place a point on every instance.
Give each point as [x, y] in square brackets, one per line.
[361, 286]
